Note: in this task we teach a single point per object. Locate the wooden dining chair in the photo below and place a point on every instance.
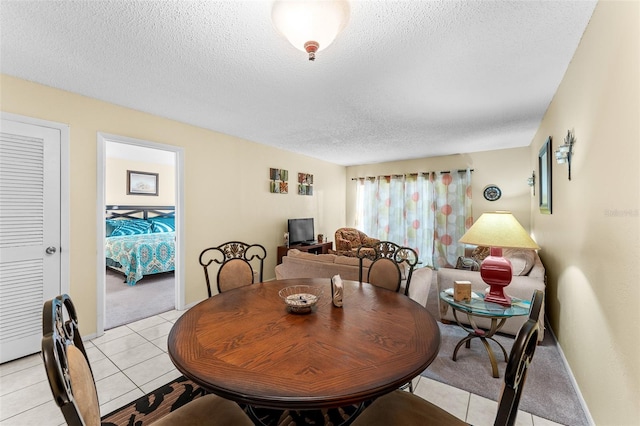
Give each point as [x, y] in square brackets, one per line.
[235, 259]
[390, 264]
[73, 387]
[400, 408]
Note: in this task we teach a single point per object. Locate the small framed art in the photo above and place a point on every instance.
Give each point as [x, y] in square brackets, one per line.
[142, 183]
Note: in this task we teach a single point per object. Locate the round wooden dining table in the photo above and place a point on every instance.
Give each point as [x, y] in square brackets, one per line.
[244, 345]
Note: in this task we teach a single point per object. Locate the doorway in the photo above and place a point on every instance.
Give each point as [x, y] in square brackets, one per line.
[119, 302]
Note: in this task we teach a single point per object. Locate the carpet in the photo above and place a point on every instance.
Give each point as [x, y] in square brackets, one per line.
[153, 406]
[548, 391]
[152, 295]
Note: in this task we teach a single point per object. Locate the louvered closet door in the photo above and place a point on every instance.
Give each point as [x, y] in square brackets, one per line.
[29, 233]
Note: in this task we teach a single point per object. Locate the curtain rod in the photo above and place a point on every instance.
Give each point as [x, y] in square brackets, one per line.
[412, 174]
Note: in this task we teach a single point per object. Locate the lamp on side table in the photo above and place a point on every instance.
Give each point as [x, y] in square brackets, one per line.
[498, 230]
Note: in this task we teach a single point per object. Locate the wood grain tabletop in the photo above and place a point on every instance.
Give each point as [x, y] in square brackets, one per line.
[245, 346]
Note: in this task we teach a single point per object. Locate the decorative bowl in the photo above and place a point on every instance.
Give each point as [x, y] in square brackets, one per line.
[300, 299]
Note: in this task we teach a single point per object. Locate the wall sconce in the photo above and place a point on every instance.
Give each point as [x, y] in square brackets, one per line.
[531, 181]
[564, 152]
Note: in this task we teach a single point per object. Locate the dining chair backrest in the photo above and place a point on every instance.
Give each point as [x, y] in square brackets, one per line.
[524, 346]
[235, 259]
[390, 263]
[74, 389]
[66, 363]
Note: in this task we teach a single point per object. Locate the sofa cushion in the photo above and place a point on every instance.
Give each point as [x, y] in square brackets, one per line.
[352, 261]
[327, 258]
[522, 260]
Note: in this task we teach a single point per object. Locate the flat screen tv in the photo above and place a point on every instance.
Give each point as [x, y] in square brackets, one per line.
[301, 231]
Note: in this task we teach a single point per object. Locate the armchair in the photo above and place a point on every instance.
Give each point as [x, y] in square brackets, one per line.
[349, 240]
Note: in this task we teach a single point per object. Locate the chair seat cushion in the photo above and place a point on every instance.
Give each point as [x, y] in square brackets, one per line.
[207, 410]
[400, 408]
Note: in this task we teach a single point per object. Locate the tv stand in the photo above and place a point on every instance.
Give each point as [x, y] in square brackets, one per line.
[320, 248]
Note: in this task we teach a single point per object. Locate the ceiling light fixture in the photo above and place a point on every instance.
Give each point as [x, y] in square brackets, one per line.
[310, 25]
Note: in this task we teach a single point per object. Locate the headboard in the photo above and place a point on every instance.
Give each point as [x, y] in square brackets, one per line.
[138, 212]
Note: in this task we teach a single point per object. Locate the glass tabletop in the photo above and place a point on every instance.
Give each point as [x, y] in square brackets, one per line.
[477, 305]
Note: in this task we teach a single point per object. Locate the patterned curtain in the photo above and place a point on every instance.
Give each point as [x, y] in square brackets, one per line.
[452, 207]
[428, 212]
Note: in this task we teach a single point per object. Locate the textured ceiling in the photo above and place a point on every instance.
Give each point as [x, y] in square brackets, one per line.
[405, 79]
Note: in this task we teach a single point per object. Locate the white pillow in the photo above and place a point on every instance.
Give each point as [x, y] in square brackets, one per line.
[522, 260]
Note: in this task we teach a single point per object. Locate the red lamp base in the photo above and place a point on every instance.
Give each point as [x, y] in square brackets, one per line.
[496, 271]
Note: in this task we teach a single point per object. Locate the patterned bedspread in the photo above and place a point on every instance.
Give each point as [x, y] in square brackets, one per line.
[141, 255]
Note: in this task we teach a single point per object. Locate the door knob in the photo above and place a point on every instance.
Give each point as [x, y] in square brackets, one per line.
[50, 250]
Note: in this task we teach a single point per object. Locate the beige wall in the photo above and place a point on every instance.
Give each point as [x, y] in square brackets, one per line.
[590, 244]
[226, 184]
[115, 183]
[506, 168]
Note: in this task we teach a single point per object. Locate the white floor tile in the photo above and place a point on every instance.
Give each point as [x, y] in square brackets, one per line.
[46, 414]
[150, 369]
[94, 354]
[120, 401]
[156, 331]
[539, 421]
[453, 400]
[161, 381]
[113, 334]
[162, 343]
[122, 344]
[103, 368]
[482, 411]
[135, 355]
[524, 419]
[24, 399]
[146, 323]
[20, 364]
[172, 315]
[113, 387]
[22, 379]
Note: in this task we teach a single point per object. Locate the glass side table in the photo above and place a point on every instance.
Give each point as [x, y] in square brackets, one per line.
[477, 307]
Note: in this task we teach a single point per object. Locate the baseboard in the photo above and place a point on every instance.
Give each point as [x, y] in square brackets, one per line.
[583, 403]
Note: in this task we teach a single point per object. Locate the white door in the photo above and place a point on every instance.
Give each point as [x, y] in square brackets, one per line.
[30, 237]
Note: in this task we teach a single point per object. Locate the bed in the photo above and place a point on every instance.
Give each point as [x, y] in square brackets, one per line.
[140, 240]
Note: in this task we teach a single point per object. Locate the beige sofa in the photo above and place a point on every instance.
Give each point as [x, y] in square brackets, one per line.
[528, 276]
[297, 264]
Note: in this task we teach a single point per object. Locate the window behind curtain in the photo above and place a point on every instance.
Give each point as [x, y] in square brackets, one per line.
[428, 212]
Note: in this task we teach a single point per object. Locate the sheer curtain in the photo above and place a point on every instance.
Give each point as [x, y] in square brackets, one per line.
[428, 212]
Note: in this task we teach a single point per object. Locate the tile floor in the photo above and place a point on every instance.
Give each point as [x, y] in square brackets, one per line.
[132, 360]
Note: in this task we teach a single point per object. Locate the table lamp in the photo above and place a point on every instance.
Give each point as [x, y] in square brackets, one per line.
[497, 230]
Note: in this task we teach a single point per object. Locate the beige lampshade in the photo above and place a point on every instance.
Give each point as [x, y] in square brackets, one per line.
[498, 229]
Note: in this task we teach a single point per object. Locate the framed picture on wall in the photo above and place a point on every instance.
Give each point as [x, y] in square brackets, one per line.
[142, 183]
[544, 170]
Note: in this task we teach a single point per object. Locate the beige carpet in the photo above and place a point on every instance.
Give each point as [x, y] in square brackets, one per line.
[152, 295]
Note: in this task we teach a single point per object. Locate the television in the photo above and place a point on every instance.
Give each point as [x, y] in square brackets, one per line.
[301, 231]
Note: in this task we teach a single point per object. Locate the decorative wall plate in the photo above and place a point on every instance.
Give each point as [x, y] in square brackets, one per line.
[491, 192]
